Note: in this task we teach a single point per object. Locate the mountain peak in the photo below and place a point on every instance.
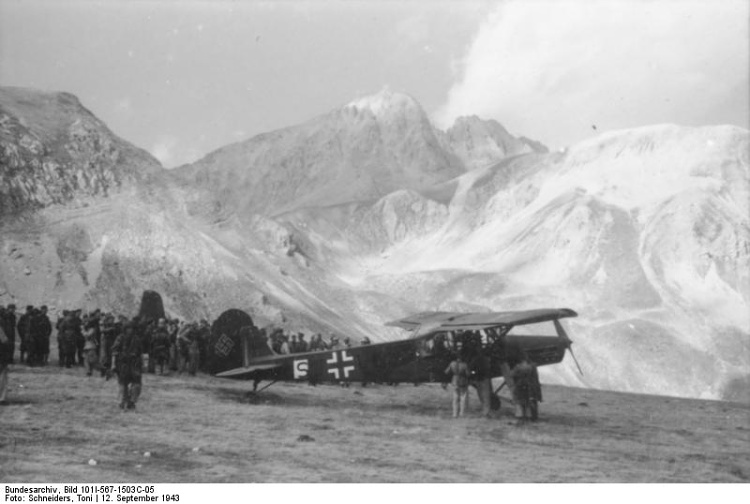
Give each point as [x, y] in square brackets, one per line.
[385, 103]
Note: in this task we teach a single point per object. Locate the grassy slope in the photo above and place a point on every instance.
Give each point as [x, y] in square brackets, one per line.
[203, 429]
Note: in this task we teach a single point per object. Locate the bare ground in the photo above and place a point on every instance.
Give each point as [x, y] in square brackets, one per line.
[203, 429]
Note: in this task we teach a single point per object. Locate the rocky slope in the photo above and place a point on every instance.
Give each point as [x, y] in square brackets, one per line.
[368, 212]
[53, 151]
[481, 143]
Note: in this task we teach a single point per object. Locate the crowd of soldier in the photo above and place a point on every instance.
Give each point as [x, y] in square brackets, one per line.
[91, 340]
[95, 339]
[281, 343]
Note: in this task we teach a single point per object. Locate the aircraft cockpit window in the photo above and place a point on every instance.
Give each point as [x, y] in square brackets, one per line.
[433, 346]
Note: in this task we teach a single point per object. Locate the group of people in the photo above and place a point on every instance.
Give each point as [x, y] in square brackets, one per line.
[295, 343]
[103, 342]
[471, 366]
[112, 344]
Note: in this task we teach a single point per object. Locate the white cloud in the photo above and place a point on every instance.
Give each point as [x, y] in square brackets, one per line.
[553, 69]
[164, 150]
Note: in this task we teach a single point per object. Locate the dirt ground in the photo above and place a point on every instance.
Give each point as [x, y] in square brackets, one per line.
[204, 429]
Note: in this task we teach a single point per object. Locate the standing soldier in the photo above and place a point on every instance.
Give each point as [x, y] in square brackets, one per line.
[23, 329]
[127, 360]
[302, 345]
[147, 331]
[184, 339]
[174, 328]
[6, 356]
[66, 339]
[8, 323]
[107, 339]
[335, 344]
[194, 352]
[459, 372]
[80, 342]
[203, 340]
[90, 346]
[35, 338]
[284, 349]
[527, 391]
[481, 376]
[159, 352]
[46, 330]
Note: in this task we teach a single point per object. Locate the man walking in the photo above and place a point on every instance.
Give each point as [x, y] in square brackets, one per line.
[127, 359]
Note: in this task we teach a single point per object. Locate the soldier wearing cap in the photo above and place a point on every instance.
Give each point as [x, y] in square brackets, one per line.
[302, 345]
[335, 343]
[127, 360]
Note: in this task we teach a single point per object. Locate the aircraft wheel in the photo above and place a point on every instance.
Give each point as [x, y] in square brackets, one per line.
[494, 402]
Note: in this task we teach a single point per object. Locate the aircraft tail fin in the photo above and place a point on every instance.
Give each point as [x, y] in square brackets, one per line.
[254, 344]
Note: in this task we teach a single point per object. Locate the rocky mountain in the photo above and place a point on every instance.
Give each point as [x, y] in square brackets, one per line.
[368, 212]
[359, 152]
[54, 151]
[482, 143]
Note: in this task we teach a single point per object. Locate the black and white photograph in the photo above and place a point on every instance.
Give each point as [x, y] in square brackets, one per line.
[373, 242]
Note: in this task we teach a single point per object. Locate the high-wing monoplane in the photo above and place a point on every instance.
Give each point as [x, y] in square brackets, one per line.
[239, 350]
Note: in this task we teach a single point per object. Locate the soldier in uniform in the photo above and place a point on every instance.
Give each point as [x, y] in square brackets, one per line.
[66, 339]
[6, 357]
[173, 328]
[8, 324]
[458, 369]
[203, 340]
[159, 346]
[90, 346]
[46, 329]
[80, 342]
[107, 339]
[184, 339]
[527, 391]
[335, 344]
[23, 329]
[33, 338]
[316, 343]
[481, 377]
[127, 360]
[302, 345]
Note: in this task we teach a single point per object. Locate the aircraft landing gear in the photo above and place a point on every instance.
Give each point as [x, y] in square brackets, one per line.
[495, 402]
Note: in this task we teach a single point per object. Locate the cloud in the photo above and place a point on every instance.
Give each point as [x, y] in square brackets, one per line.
[553, 69]
[164, 150]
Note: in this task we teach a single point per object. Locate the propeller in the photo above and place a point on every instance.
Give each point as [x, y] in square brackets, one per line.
[561, 332]
[574, 358]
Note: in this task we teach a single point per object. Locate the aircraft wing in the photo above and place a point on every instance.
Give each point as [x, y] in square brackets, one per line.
[453, 321]
[246, 370]
[413, 321]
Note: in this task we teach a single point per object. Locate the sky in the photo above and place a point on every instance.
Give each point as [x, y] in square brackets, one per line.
[181, 79]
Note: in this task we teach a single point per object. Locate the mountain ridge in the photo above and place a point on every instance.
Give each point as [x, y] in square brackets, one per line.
[644, 232]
